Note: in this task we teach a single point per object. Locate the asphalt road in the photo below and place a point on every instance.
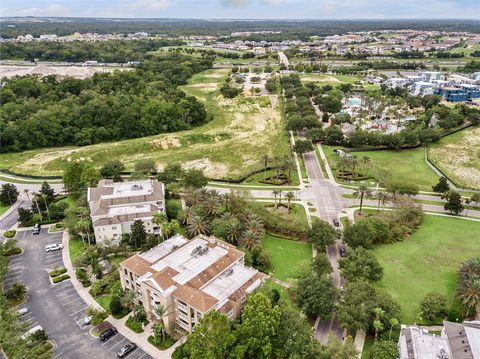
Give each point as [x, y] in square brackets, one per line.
[12, 217]
[57, 307]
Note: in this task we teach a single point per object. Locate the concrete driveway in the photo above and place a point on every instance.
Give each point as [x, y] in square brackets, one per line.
[57, 307]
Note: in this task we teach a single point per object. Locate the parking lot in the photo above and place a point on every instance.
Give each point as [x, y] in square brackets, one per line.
[57, 307]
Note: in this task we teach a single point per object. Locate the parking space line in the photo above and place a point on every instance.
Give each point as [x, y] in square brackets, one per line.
[120, 342]
[78, 308]
[71, 301]
[66, 292]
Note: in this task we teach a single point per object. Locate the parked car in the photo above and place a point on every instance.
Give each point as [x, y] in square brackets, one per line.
[22, 311]
[336, 223]
[107, 333]
[87, 320]
[53, 247]
[126, 349]
[31, 331]
[343, 251]
[37, 228]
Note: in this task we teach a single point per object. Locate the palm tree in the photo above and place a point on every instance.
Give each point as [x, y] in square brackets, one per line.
[275, 193]
[276, 159]
[83, 226]
[469, 292]
[377, 323]
[193, 198]
[197, 226]
[234, 232]
[256, 226]
[363, 192]
[365, 161]
[393, 324]
[382, 198]
[467, 202]
[45, 197]
[211, 205]
[279, 197]
[26, 190]
[129, 300]
[343, 162]
[38, 207]
[250, 240]
[265, 160]
[160, 311]
[186, 216]
[227, 199]
[353, 162]
[289, 196]
[289, 166]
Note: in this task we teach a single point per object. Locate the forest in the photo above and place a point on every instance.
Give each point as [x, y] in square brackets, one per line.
[53, 111]
[120, 51]
[293, 29]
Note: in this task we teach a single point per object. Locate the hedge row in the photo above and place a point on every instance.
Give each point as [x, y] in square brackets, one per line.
[60, 278]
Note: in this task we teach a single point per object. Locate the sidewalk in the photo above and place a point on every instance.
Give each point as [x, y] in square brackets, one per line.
[140, 339]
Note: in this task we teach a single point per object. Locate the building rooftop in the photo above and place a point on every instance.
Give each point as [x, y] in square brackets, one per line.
[204, 272]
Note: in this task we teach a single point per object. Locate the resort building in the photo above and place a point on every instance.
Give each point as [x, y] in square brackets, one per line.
[114, 206]
[189, 278]
[456, 341]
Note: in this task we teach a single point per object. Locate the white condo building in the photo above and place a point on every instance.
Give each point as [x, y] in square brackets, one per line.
[114, 206]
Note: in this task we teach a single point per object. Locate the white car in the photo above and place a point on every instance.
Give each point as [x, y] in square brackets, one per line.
[22, 311]
[87, 320]
[53, 247]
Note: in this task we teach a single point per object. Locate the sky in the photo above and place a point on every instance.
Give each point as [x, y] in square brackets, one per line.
[246, 9]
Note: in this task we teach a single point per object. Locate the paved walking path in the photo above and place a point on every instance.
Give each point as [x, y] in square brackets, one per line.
[141, 339]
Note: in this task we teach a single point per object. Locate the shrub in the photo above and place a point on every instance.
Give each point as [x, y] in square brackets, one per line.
[60, 278]
[83, 277]
[10, 234]
[57, 272]
[115, 305]
[432, 306]
[173, 208]
[98, 315]
[98, 287]
[39, 336]
[134, 325]
[17, 292]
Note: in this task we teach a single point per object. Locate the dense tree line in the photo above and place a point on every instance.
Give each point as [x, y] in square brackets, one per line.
[290, 29]
[53, 111]
[120, 51]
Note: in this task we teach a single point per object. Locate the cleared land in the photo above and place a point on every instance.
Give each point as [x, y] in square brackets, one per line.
[289, 259]
[407, 166]
[458, 156]
[329, 79]
[427, 261]
[229, 146]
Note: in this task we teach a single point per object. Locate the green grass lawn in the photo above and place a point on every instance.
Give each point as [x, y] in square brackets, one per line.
[229, 146]
[76, 248]
[405, 165]
[104, 301]
[427, 261]
[284, 296]
[289, 258]
[3, 208]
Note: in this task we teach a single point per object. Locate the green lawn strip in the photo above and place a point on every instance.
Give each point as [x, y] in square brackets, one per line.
[289, 259]
[76, 248]
[104, 301]
[253, 188]
[115, 260]
[406, 165]
[369, 341]
[427, 261]
[320, 161]
[3, 208]
[135, 325]
[19, 180]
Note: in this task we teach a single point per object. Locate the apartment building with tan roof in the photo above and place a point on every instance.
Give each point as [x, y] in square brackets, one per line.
[189, 278]
[114, 206]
